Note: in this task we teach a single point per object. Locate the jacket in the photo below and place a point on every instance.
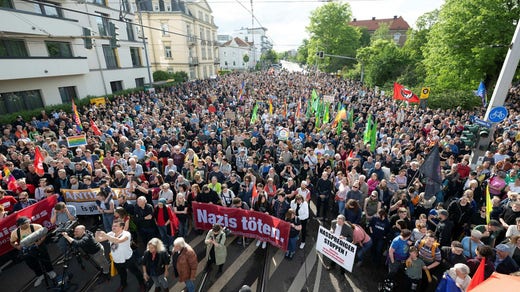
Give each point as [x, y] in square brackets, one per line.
[187, 264]
[346, 230]
[161, 260]
[220, 248]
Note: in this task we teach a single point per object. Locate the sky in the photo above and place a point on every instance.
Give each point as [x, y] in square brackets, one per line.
[286, 20]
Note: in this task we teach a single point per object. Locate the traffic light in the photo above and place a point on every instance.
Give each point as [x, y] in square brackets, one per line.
[484, 132]
[87, 37]
[114, 35]
[320, 54]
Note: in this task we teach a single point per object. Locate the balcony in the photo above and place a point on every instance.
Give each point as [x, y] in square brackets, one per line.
[191, 40]
[193, 61]
[216, 61]
[27, 23]
[41, 67]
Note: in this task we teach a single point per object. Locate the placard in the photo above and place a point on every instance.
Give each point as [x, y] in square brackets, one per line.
[338, 250]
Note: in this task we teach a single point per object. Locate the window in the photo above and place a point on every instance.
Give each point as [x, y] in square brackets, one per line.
[99, 2]
[6, 4]
[13, 48]
[59, 49]
[116, 86]
[164, 29]
[169, 70]
[67, 93]
[139, 82]
[130, 30]
[168, 8]
[20, 101]
[102, 23]
[168, 52]
[48, 9]
[126, 6]
[135, 54]
[110, 57]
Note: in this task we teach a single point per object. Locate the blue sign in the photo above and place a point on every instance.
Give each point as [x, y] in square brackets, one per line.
[498, 114]
[482, 123]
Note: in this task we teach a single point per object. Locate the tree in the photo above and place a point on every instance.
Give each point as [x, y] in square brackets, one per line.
[303, 52]
[245, 58]
[160, 75]
[330, 32]
[269, 57]
[460, 51]
[383, 62]
[382, 33]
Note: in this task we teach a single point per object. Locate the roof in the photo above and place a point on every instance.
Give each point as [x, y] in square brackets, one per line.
[238, 41]
[396, 23]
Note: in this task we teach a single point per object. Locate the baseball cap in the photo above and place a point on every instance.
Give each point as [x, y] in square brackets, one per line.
[162, 201]
[443, 212]
[433, 212]
[22, 220]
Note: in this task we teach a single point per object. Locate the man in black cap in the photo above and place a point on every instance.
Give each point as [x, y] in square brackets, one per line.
[36, 255]
[444, 228]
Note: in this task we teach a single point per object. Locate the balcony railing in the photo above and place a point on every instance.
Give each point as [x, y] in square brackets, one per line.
[193, 61]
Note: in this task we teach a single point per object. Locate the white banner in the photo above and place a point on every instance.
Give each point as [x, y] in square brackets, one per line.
[338, 250]
[85, 200]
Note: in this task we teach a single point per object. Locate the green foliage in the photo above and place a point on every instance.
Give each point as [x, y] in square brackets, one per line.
[364, 39]
[383, 62]
[303, 52]
[245, 58]
[330, 32]
[161, 75]
[459, 53]
[448, 99]
[179, 76]
[382, 33]
[269, 57]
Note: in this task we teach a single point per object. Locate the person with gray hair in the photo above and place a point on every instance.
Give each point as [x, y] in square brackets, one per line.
[155, 264]
[460, 274]
[184, 263]
[143, 215]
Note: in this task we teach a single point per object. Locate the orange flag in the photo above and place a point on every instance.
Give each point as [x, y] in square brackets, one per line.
[38, 161]
[254, 193]
[478, 277]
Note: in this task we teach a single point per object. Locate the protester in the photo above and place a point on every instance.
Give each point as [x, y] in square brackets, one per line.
[184, 263]
[216, 250]
[155, 264]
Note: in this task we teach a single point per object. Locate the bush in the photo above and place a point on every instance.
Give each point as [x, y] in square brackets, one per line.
[161, 75]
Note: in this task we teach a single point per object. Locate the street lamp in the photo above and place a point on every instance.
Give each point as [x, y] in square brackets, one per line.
[144, 43]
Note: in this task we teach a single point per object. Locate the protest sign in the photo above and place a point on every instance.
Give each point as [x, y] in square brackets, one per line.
[85, 200]
[338, 250]
[243, 222]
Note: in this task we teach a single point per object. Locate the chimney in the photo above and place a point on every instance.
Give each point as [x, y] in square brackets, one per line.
[373, 18]
[395, 16]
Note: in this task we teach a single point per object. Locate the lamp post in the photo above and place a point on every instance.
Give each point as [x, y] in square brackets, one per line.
[144, 44]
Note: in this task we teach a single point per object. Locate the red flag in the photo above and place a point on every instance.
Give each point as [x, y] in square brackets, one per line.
[254, 194]
[350, 156]
[479, 275]
[38, 161]
[12, 185]
[95, 129]
[403, 93]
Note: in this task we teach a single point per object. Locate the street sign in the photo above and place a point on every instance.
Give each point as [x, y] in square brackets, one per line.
[498, 114]
[483, 123]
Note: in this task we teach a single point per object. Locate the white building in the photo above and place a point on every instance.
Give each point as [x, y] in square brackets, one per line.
[49, 55]
[259, 39]
[232, 54]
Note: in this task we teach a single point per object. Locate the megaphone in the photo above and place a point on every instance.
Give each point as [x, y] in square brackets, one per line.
[32, 238]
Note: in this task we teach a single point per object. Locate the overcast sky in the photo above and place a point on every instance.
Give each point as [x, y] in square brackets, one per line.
[286, 20]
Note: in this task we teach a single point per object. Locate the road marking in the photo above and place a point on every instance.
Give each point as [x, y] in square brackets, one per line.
[233, 269]
[351, 283]
[275, 262]
[313, 208]
[202, 263]
[299, 280]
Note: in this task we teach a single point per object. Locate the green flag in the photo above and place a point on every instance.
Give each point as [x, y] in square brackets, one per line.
[308, 112]
[254, 115]
[368, 129]
[373, 136]
[339, 127]
[351, 118]
[315, 100]
[326, 114]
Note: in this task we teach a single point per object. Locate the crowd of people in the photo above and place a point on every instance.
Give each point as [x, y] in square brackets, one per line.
[216, 140]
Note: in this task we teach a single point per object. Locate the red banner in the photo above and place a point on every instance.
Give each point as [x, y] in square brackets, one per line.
[403, 93]
[243, 222]
[39, 213]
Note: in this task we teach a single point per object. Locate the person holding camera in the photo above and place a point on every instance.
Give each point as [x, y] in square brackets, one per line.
[216, 250]
[60, 216]
[105, 205]
[35, 255]
[122, 254]
[85, 240]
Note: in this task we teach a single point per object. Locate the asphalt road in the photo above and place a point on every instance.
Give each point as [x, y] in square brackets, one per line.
[244, 265]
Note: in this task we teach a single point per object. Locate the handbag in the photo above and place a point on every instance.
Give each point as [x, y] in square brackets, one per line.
[113, 270]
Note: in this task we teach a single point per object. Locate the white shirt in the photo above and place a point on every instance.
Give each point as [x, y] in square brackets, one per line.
[121, 252]
[303, 212]
[337, 231]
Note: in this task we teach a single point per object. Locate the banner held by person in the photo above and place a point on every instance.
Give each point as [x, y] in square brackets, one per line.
[338, 250]
[85, 200]
[39, 213]
[431, 169]
[241, 222]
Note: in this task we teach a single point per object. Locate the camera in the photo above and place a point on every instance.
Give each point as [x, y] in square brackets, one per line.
[66, 227]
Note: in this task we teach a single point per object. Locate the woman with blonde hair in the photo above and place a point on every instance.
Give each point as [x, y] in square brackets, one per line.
[155, 264]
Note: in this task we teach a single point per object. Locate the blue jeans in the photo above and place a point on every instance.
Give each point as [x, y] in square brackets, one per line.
[190, 286]
[341, 207]
[165, 237]
[362, 250]
[291, 247]
[183, 228]
[108, 219]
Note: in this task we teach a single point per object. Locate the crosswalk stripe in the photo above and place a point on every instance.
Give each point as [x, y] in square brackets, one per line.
[233, 269]
[318, 277]
[304, 272]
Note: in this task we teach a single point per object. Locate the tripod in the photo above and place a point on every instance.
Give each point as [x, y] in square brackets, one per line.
[63, 280]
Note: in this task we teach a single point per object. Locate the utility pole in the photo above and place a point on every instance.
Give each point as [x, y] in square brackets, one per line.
[150, 80]
[253, 35]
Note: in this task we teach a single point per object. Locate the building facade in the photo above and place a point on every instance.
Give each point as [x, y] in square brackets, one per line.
[56, 51]
[186, 40]
[232, 52]
[258, 39]
[397, 26]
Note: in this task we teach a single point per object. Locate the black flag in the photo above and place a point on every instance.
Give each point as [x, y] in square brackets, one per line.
[431, 170]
